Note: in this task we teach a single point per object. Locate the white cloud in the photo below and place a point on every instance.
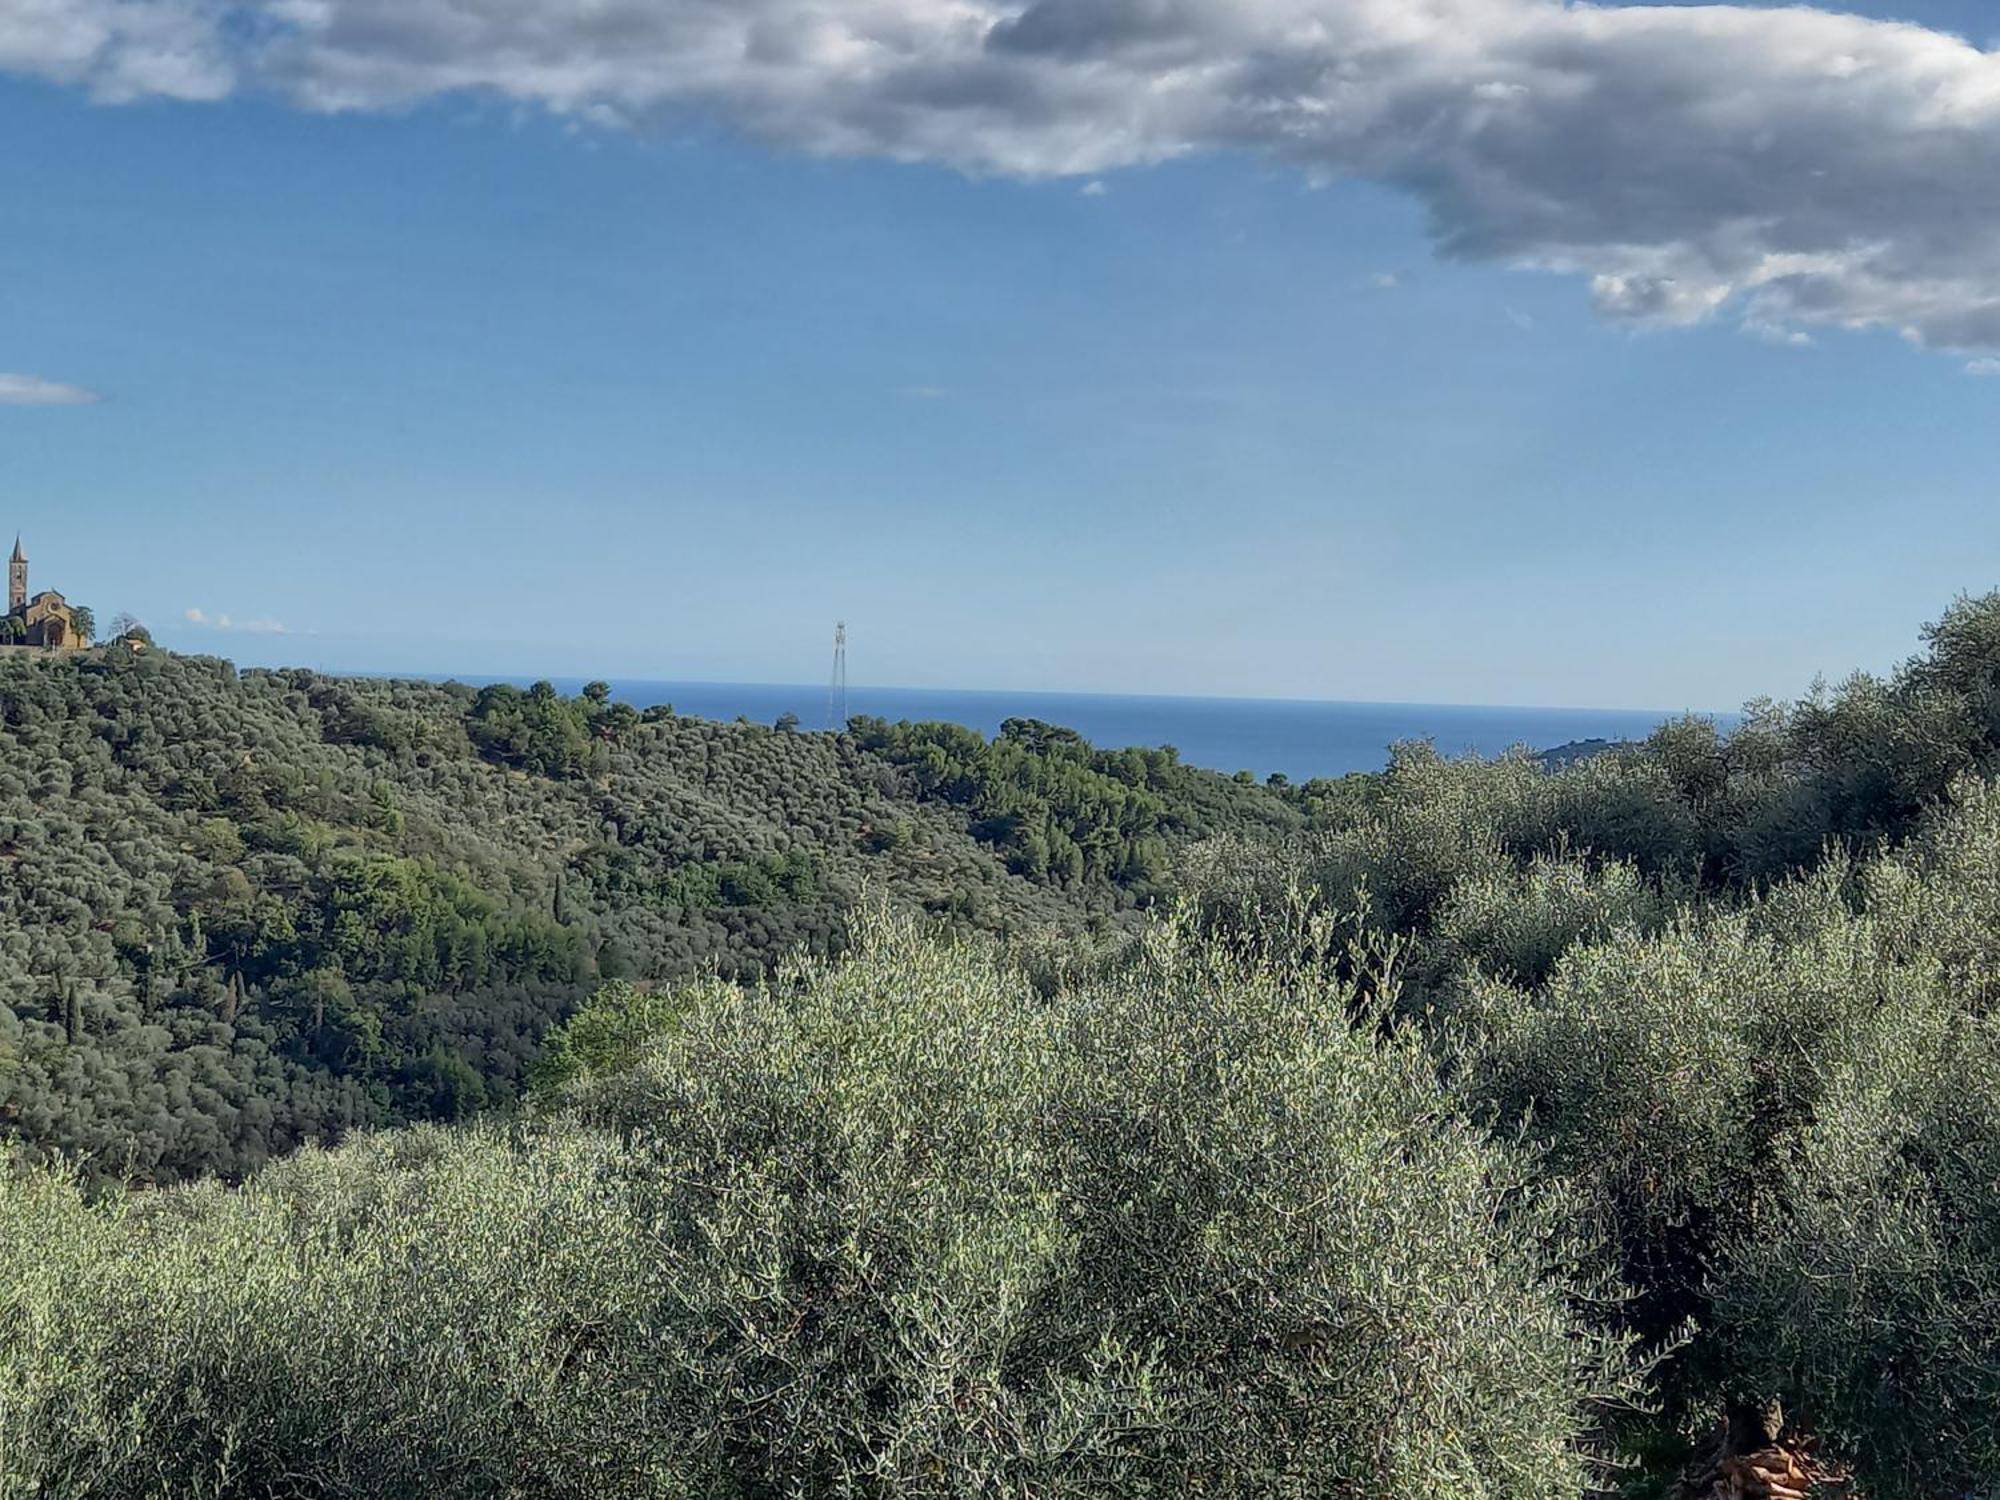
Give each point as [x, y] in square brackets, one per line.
[1094, 188]
[1784, 166]
[32, 390]
[1776, 333]
[1983, 367]
[1385, 281]
[208, 621]
[923, 392]
[1523, 321]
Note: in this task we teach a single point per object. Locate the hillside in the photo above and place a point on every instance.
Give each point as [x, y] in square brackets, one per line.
[239, 911]
[1476, 1128]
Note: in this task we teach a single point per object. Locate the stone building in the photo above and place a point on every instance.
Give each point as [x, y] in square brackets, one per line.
[45, 620]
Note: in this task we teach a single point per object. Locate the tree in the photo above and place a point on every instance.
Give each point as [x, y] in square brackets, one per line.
[787, 723]
[84, 621]
[126, 627]
[607, 1035]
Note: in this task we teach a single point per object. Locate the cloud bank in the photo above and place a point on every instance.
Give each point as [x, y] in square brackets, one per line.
[1788, 168]
[121, 50]
[32, 390]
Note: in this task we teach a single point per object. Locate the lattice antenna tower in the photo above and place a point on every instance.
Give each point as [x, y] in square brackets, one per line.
[836, 693]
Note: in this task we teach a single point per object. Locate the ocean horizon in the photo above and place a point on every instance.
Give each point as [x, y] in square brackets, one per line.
[1299, 738]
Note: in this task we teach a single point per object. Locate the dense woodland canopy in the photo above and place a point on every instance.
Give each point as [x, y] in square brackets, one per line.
[899, 1113]
[239, 911]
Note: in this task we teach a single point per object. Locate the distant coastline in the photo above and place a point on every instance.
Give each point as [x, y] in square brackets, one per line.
[1297, 738]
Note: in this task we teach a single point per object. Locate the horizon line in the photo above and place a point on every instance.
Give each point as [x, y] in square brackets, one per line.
[482, 678]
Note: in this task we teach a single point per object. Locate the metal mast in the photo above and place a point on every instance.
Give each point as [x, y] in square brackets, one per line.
[836, 693]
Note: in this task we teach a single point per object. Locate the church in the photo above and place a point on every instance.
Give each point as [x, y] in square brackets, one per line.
[46, 620]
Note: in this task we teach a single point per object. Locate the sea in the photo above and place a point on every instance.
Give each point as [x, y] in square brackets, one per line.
[1299, 738]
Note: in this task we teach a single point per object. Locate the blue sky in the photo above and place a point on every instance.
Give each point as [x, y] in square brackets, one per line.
[465, 382]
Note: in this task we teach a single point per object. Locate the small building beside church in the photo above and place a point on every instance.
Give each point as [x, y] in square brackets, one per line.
[45, 620]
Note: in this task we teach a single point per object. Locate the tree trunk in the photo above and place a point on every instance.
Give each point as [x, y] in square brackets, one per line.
[1754, 1455]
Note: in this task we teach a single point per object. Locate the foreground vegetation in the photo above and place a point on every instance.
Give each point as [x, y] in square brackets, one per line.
[1474, 1129]
[901, 1227]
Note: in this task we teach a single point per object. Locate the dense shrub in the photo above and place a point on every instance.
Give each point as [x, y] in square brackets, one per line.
[416, 1314]
[1787, 1117]
[1871, 1303]
[898, 1228]
[1665, 1073]
[1515, 923]
[1741, 991]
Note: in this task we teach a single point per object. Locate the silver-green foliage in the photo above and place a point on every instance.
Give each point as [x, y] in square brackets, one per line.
[1178, 1230]
[1517, 922]
[424, 1313]
[902, 1227]
[1789, 1116]
[1662, 1070]
[1873, 1299]
[1877, 1305]
[1439, 829]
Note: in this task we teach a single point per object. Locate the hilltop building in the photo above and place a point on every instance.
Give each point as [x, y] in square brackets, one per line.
[45, 620]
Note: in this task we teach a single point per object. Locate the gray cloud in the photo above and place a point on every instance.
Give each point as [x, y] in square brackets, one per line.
[121, 50]
[32, 390]
[1791, 168]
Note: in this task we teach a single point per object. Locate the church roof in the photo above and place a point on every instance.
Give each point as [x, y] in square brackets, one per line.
[19, 555]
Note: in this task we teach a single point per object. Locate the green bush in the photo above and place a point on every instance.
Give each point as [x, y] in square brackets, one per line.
[1177, 1230]
[1517, 923]
[902, 1227]
[1664, 1074]
[1788, 1117]
[1872, 1303]
[607, 1035]
[416, 1314]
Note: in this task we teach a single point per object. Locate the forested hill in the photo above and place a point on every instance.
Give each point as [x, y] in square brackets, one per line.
[239, 911]
[1656, 1097]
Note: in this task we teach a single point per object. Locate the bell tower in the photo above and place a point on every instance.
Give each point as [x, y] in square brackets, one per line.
[17, 579]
